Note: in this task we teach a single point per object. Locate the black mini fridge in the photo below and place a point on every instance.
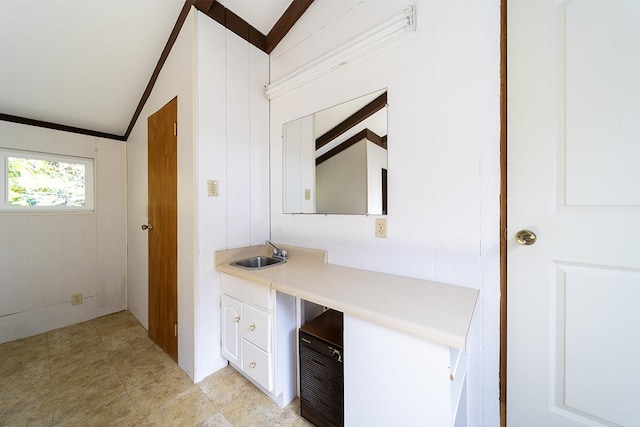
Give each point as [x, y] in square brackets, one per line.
[321, 370]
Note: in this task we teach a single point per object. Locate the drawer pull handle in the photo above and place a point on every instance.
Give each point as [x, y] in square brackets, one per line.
[237, 319]
[252, 327]
[253, 365]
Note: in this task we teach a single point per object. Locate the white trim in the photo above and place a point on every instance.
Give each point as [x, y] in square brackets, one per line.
[89, 164]
[386, 32]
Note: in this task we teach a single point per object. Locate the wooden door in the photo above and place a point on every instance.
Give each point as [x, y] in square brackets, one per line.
[573, 328]
[163, 234]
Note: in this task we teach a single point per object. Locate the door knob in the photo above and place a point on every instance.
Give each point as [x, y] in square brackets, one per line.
[526, 237]
[147, 227]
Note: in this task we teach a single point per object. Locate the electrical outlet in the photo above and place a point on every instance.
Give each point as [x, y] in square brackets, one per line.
[76, 299]
[307, 194]
[212, 188]
[381, 228]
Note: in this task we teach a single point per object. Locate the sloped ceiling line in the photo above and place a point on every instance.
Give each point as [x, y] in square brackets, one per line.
[232, 22]
[220, 14]
[366, 133]
[56, 126]
[242, 28]
[163, 58]
[288, 19]
[367, 111]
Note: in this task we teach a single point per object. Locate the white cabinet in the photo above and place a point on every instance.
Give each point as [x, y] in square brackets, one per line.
[231, 335]
[258, 336]
[258, 365]
[256, 327]
[246, 329]
[393, 378]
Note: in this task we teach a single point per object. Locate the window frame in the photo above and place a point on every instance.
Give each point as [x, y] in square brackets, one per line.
[88, 162]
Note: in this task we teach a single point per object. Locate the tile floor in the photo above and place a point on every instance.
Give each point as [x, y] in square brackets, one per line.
[106, 371]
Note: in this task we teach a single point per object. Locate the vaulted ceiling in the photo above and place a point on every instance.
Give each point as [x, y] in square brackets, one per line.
[85, 64]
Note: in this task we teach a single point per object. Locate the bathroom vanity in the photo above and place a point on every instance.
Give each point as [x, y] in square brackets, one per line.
[405, 338]
[256, 335]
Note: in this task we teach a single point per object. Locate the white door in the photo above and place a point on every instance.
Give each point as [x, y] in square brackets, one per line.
[573, 303]
[231, 333]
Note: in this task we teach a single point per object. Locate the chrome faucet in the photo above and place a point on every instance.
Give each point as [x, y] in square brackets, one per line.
[277, 252]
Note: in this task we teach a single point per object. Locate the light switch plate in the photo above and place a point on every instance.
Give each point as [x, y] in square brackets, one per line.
[381, 228]
[212, 188]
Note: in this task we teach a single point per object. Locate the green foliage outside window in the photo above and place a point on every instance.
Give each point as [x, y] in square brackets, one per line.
[34, 182]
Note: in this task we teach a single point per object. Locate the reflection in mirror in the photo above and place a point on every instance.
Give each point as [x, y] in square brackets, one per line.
[335, 161]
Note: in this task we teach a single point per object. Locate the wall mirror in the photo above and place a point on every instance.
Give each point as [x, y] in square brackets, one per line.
[335, 160]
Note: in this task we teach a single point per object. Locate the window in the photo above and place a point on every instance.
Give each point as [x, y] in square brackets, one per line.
[42, 182]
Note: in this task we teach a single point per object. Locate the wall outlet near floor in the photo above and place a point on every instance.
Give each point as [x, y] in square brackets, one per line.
[212, 188]
[381, 228]
[76, 299]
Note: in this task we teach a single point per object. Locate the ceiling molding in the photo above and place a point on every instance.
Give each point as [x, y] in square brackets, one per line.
[367, 134]
[203, 5]
[368, 110]
[258, 39]
[288, 19]
[57, 126]
[163, 58]
[237, 25]
[215, 11]
[232, 22]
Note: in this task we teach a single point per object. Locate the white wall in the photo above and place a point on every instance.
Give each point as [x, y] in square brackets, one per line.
[376, 161]
[232, 147]
[341, 181]
[300, 166]
[175, 79]
[443, 94]
[45, 258]
[223, 122]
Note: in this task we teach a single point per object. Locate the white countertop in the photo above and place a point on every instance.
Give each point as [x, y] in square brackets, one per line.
[435, 311]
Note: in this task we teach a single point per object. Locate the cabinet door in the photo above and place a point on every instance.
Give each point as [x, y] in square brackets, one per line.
[231, 333]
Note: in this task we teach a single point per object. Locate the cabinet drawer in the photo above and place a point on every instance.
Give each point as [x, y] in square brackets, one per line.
[256, 327]
[257, 364]
[246, 291]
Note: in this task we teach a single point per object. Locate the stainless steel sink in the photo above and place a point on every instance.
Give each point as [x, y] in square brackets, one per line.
[258, 262]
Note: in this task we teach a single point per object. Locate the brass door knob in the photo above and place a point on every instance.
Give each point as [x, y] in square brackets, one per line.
[252, 327]
[526, 237]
